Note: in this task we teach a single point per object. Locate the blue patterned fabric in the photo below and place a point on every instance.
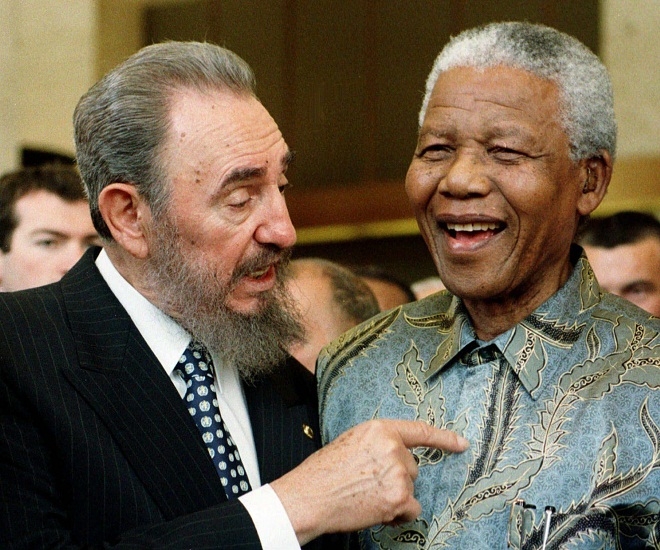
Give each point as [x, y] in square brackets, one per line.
[562, 412]
[196, 369]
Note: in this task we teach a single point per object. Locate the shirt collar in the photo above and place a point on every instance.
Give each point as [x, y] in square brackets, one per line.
[166, 338]
[557, 322]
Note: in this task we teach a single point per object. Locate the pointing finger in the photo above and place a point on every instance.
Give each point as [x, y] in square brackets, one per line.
[420, 434]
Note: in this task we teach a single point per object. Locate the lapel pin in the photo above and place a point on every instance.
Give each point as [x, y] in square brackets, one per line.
[307, 430]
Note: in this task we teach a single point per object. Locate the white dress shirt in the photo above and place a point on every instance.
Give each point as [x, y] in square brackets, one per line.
[168, 340]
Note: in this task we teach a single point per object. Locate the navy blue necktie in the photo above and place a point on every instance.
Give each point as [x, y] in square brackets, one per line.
[196, 369]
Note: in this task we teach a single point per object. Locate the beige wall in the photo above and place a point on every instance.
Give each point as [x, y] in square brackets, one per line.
[51, 52]
[48, 56]
[630, 49]
[8, 125]
[119, 36]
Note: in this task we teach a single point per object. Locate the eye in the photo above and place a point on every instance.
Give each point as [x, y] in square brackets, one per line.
[94, 241]
[46, 243]
[239, 198]
[639, 289]
[436, 151]
[506, 154]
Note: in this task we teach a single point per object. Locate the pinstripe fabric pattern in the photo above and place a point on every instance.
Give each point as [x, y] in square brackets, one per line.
[96, 446]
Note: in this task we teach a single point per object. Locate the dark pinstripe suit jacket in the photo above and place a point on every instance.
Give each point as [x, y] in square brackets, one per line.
[97, 447]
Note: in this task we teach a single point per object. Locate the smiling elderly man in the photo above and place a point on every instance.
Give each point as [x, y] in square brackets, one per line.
[555, 383]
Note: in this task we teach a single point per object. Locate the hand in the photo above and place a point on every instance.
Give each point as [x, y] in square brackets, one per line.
[363, 478]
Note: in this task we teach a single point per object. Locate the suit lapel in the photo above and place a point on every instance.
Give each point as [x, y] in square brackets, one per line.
[123, 382]
[283, 413]
[283, 409]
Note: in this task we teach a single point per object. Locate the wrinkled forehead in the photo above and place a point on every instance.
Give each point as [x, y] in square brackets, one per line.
[485, 67]
[502, 94]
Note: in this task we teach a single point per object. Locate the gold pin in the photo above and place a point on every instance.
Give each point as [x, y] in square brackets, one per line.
[307, 430]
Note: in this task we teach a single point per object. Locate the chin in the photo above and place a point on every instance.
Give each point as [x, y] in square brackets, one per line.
[247, 306]
[474, 291]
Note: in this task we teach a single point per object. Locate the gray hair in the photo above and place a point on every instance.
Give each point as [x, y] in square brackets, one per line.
[121, 124]
[350, 293]
[586, 99]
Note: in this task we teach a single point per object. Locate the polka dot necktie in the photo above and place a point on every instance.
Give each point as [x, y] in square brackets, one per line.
[196, 369]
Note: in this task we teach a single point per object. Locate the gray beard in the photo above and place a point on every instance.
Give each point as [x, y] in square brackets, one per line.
[255, 343]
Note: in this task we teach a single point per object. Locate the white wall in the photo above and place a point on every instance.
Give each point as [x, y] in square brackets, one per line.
[631, 51]
[47, 62]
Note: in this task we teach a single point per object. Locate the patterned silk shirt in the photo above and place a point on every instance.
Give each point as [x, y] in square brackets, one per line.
[562, 413]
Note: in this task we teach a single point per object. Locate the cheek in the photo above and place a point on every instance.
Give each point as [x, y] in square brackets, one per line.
[31, 269]
[421, 184]
[529, 192]
[35, 256]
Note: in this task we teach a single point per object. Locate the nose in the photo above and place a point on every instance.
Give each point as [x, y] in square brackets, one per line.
[276, 227]
[466, 177]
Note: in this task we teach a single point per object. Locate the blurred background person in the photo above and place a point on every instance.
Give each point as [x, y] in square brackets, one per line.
[45, 225]
[426, 287]
[624, 252]
[389, 290]
[331, 299]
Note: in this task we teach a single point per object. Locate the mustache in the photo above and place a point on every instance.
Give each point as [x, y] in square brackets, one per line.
[268, 255]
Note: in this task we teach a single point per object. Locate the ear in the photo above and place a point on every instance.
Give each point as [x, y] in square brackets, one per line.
[128, 217]
[596, 173]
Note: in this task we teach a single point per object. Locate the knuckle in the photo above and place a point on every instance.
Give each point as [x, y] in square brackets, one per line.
[414, 472]
[399, 495]
[390, 446]
[427, 431]
[379, 425]
[371, 428]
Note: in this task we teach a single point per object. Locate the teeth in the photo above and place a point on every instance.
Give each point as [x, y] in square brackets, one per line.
[472, 226]
[258, 274]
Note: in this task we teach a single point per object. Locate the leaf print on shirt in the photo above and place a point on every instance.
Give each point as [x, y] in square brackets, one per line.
[428, 402]
[593, 517]
[492, 483]
[349, 346]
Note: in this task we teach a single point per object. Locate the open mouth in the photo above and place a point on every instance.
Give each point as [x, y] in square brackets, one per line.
[259, 273]
[476, 229]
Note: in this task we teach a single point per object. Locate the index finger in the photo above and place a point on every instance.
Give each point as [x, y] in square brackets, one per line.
[415, 433]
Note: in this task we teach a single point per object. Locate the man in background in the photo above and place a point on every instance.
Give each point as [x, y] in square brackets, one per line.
[426, 287]
[555, 383]
[331, 299]
[45, 225]
[389, 290]
[624, 252]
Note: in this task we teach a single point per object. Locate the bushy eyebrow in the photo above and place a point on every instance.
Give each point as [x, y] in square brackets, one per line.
[509, 132]
[44, 232]
[497, 132]
[287, 159]
[243, 174]
[638, 283]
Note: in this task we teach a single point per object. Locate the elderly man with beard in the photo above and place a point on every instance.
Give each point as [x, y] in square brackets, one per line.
[555, 383]
[145, 399]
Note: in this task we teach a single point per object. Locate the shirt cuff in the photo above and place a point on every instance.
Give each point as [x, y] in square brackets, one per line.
[270, 519]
